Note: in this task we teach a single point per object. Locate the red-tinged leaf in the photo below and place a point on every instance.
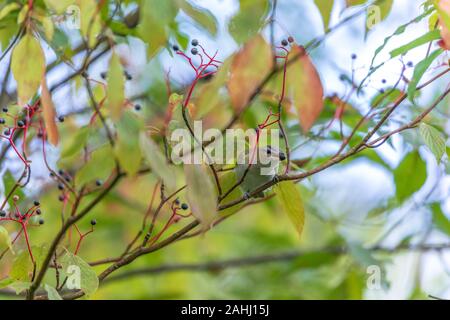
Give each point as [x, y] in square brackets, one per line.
[49, 114]
[28, 67]
[444, 23]
[305, 88]
[249, 67]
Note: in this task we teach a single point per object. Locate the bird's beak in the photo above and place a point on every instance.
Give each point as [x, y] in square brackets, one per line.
[282, 156]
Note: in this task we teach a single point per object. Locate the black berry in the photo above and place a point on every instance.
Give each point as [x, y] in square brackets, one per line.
[98, 183]
[194, 42]
[41, 221]
[61, 119]
[290, 39]
[354, 56]
[5, 109]
[284, 42]
[93, 222]
[194, 51]
[137, 107]
[61, 197]
[37, 203]
[2, 121]
[38, 211]
[2, 213]
[175, 47]
[410, 64]
[184, 206]
[7, 132]
[177, 202]
[20, 124]
[61, 186]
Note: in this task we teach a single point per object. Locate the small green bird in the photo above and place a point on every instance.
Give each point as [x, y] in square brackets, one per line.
[258, 173]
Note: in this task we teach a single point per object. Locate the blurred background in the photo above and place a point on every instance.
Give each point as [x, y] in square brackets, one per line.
[351, 205]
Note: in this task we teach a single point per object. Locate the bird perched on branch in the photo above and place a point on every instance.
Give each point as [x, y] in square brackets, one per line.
[263, 169]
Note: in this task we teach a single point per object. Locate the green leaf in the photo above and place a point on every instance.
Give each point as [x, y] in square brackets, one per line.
[314, 260]
[292, 203]
[377, 13]
[248, 20]
[157, 161]
[76, 143]
[58, 6]
[325, 7]
[227, 181]
[127, 149]
[440, 219]
[28, 67]
[419, 71]
[9, 181]
[23, 267]
[90, 21]
[8, 9]
[201, 194]
[351, 3]
[204, 17]
[88, 278]
[20, 286]
[6, 282]
[410, 175]
[116, 87]
[434, 140]
[157, 16]
[52, 293]
[99, 166]
[426, 38]
[5, 239]
[397, 32]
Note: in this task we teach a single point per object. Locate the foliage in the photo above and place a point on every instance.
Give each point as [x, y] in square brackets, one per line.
[95, 147]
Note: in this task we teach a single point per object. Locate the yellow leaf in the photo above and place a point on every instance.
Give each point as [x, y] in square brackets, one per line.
[116, 86]
[58, 6]
[249, 67]
[49, 114]
[5, 239]
[201, 194]
[7, 9]
[292, 203]
[305, 88]
[325, 7]
[90, 23]
[157, 162]
[28, 67]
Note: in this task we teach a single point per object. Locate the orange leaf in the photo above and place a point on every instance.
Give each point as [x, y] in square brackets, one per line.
[305, 88]
[249, 67]
[49, 114]
[444, 21]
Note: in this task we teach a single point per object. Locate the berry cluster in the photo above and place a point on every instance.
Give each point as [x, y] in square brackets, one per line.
[203, 70]
[31, 217]
[174, 218]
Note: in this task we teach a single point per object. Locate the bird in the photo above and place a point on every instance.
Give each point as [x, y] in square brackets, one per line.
[263, 169]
